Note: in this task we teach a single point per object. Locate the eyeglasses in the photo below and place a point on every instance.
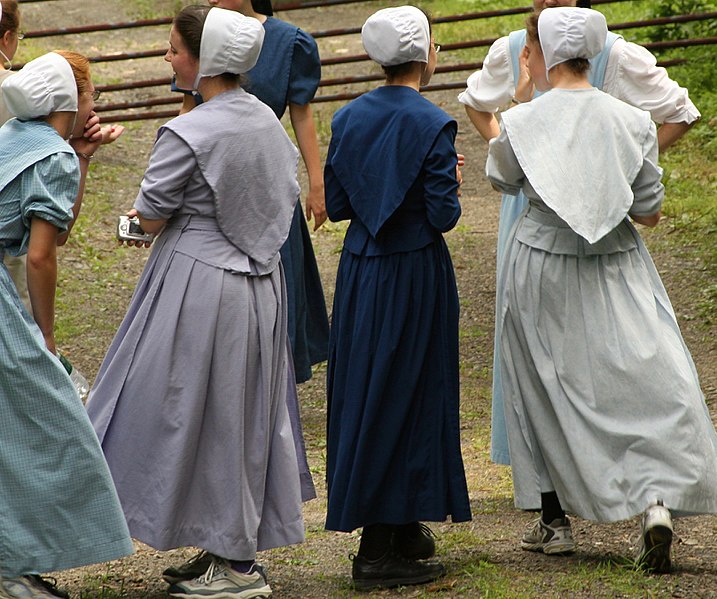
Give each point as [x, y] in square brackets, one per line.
[96, 95]
[437, 47]
[20, 35]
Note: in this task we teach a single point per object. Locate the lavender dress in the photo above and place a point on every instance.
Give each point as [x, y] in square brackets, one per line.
[190, 404]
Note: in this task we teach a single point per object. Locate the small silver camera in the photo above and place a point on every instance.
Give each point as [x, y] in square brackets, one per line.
[129, 229]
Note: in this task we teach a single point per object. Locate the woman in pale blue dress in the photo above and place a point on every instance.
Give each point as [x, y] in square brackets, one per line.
[605, 415]
[190, 403]
[58, 506]
[622, 69]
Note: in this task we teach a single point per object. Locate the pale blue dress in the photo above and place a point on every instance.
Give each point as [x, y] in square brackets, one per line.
[511, 207]
[58, 506]
[602, 400]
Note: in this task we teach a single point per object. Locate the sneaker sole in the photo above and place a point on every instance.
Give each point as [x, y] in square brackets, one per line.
[555, 549]
[248, 594]
[656, 556]
[390, 583]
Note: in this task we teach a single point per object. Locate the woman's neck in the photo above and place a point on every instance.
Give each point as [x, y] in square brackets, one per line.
[213, 86]
[563, 78]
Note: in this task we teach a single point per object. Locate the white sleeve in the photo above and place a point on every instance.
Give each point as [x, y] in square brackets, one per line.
[491, 88]
[633, 76]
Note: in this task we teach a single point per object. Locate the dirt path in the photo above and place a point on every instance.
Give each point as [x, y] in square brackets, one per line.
[98, 280]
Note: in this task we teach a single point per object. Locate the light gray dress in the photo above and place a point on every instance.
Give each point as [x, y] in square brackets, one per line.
[190, 403]
[603, 403]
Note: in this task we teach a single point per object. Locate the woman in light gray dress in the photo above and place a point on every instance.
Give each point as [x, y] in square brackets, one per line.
[190, 404]
[605, 414]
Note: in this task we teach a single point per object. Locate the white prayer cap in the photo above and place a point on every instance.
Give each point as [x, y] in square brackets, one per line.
[397, 35]
[43, 86]
[231, 43]
[566, 33]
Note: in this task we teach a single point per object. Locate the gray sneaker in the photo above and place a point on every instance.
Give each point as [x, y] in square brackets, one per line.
[222, 582]
[23, 587]
[193, 568]
[551, 539]
[653, 551]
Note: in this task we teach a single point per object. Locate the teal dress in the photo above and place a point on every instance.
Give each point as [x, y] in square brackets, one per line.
[58, 506]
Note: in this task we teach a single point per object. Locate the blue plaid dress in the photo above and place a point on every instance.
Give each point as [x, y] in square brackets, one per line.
[58, 505]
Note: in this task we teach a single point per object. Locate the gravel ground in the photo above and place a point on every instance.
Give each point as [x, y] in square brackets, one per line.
[320, 567]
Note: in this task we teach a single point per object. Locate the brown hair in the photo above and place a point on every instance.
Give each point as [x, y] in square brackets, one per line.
[577, 66]
[189, 23]
[80, 69]
[10, 17]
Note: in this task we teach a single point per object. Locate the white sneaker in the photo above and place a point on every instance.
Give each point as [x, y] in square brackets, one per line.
[653, 551]
[222, 582]
[23, 587]
[556, 537]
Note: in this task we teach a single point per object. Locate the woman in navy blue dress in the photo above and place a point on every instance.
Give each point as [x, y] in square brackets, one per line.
[394, 455]
[287, 75]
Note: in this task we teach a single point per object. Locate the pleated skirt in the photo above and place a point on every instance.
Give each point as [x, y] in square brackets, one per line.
[602, 400]
[308, 324]
[394, 451]
[190, 406]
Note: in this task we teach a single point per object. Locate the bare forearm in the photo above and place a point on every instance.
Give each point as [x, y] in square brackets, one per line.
[302, 120]
[485, 122]
[669, 133]
[42, 276]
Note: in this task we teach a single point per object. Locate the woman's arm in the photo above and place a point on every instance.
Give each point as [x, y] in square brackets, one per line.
[42, 276]
[302, 120]
[441, 182]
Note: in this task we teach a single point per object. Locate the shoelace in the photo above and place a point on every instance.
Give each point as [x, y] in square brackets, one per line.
[215, 569]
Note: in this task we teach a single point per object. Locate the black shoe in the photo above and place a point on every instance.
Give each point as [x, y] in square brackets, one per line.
[193, 568]
[392, 570]
[414, 541]
[50, 585]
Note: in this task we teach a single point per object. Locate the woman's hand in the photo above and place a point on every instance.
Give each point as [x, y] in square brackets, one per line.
[524, 89]
[316, 206]
[131, 242]
[95, 135]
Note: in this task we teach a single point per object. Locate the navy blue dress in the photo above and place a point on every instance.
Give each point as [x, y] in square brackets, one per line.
[288, 72]
[393, 436]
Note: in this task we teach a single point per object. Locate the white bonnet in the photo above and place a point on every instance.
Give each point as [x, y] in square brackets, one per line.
[231, 43]
[43, 86]
[566, 33]
[397, 35]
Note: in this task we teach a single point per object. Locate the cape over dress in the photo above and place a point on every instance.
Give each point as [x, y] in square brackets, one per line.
[602, 400]
[58, 505]
[190, 403]
[393, 437]
[288, 71]
[624, 70]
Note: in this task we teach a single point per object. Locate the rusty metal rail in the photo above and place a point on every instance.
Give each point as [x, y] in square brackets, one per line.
[328, 82]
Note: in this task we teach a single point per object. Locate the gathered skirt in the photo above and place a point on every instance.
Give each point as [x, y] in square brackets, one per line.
[394, 451]
[602, 400]
[58, 506]
[308, 323]
[191, 409]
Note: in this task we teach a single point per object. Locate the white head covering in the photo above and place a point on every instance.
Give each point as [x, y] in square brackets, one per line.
[567, 32]
[398, 35]
[231, 43]
[43, 86]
